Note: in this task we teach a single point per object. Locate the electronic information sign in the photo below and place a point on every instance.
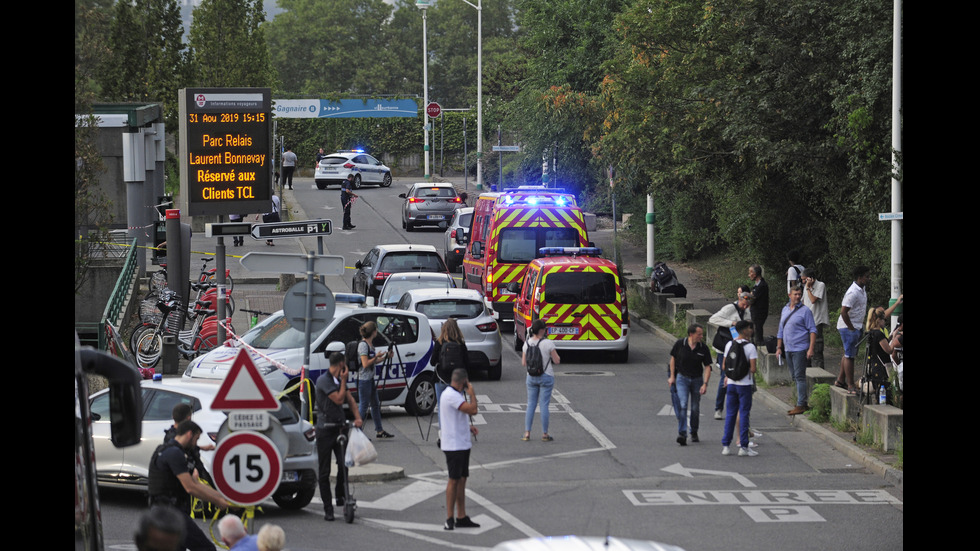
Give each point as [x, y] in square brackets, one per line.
[227, 162]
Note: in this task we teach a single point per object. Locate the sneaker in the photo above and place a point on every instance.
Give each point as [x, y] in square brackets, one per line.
[719, 415]
[725, 450]
[682, 439]
[694, 437]
[449, 524]
[383, 434]
[753, 432]
[465, 522]
[752, 444]
[747, 452]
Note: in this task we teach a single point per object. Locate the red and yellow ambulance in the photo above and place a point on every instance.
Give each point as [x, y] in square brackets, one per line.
[507, 231]
[581, 299]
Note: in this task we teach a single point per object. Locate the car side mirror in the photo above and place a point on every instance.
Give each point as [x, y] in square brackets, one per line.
[403, 196]
[358, 265]
[477, 249]
[514, 287]
[462, 237]
[443, 225]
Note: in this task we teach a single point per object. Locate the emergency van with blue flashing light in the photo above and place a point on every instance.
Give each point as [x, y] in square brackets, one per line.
[579, 296]
[507, 231]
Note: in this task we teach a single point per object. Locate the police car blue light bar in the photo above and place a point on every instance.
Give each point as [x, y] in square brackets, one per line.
[570, 251]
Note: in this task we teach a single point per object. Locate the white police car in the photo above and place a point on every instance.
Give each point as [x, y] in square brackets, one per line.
[408, 380]
[334, 168]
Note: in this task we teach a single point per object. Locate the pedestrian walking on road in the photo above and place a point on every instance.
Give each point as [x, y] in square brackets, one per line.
[690, 369]
[539, 387]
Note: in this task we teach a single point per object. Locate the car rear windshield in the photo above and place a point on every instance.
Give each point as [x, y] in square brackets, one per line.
[465, 220]
[580, 288]
[435, 192]
[333, 160]
[394, 290]
[412, 262]
[522, 244]
[450, 308]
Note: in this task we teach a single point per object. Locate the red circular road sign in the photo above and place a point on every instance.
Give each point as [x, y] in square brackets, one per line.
[247, 468]
[433, 109]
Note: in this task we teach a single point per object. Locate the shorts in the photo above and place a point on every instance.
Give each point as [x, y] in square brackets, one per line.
[850, 339]
[458, 464]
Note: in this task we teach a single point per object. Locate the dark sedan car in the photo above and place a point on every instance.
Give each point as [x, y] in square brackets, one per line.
[384, 260]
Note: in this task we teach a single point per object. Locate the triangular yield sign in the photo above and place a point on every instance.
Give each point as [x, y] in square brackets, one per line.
[244, 388]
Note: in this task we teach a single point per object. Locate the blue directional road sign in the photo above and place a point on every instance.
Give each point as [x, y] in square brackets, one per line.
[345, 108]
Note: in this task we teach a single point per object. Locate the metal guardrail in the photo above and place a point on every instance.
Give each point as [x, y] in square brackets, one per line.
[119, 293]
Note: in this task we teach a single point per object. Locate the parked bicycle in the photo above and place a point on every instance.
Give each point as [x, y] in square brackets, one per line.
[201, 337]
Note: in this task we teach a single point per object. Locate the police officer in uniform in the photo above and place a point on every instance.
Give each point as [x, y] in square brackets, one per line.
[173, 480]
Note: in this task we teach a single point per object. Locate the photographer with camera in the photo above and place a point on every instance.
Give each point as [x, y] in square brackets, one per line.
[367, 388]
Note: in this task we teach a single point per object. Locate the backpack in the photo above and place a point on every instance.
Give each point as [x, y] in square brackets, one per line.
[451, 357]
[533, 360]
[736, 364]
[352, 357]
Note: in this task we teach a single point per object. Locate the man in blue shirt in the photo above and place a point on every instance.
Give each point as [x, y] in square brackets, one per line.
[797, 336]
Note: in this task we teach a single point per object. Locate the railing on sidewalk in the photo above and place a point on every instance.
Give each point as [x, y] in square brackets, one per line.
[120, 294]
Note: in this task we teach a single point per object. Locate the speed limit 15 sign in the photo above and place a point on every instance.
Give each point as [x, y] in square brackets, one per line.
[247, 468]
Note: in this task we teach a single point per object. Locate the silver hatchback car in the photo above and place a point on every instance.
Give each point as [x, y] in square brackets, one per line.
[480, 331]
[429, 204]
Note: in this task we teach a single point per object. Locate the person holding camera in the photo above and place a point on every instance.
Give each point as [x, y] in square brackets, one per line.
[815, 298]
[367, 388]
[331, 395]
[456, 405]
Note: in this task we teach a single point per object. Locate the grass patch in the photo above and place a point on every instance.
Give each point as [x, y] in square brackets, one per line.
[819, 404]
[867, 436]
[722, 273]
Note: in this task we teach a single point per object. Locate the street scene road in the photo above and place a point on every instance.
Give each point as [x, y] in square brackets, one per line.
[613, 467]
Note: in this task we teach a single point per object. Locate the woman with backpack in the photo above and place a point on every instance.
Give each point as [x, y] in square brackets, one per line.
[538, 356]
[367, 390]
[449, 353]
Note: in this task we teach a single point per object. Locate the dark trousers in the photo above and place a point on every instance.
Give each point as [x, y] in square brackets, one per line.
[287, 176]
[326, 443]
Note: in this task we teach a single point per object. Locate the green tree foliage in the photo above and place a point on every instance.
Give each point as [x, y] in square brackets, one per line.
[228, 45]
[148, 60]
[330, 46]
[92, 20]
[758, 125]
[91, 206]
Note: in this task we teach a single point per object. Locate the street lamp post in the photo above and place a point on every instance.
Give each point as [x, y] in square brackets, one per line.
[424, 5]
[479, 91]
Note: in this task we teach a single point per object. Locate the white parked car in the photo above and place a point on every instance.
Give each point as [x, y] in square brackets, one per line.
[333, 169]
[408, 380]
[456, 237]
[480, 331]
[129, 467]
[398, 284]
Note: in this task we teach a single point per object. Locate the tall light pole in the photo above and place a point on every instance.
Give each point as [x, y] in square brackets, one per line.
[479, 91]
[424, 5]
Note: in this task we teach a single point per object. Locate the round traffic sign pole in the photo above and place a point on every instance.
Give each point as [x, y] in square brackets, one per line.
[247, 468]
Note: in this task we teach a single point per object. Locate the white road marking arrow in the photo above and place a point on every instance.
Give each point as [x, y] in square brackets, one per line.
[677, 468]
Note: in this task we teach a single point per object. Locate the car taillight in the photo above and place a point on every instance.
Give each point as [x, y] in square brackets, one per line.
[452, 234]
[380, 277]
[455, 200]
[487, 327]
[310, 434]
[416, 200]
[349, 165]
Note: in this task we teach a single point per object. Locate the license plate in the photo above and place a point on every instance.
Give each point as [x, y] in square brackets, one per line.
[560, 330]
[290, 476]
[435, 217]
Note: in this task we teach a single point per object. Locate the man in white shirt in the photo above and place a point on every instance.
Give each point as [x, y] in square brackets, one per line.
[739, 399]
[849, 324]
[456, 404]
[815, 298]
